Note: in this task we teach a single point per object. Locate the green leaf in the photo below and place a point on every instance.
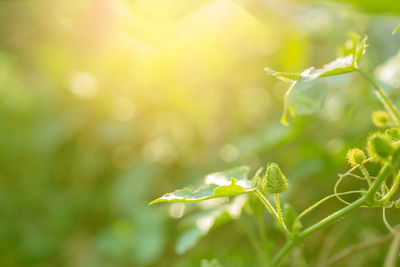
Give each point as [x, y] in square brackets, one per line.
[339, 66]
[360, 49]
[188, 240]
[307, 91]
[221, 184]
[283, 76]
[199, 224]
[356, 47]
[304, 96]
[396, 29]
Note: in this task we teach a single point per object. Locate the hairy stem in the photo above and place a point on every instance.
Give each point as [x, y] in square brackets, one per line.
[266, 203]
[383, 174]
[365, 173]
[368, 198]
[277, 216]
[322, 201]
[387, 103]
[280, 217]
[332, 218]
[393, 189]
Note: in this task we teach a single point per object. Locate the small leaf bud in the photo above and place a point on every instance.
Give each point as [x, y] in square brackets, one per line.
[380, 147]
[355, 156]
[380, 118]
[274, 181]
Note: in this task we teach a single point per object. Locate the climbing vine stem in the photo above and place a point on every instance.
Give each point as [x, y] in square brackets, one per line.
[369, 198]
[382, 96]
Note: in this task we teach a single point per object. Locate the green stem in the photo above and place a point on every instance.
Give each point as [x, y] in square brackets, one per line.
[368, 198]
[285, 250]
[322, 201]
[392, 255]
[393, 189]
[278, 207]
[332, 218]
[270, 208]
[280, 217]
[341, 177]
[266, 203]
[387, 103]
[383, 174]
[366, 174]
[387, 224]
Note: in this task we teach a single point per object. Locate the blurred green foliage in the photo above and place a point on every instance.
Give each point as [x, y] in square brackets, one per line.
[105, 105]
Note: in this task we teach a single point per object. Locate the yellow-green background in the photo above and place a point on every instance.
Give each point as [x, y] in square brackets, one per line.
[107, 104]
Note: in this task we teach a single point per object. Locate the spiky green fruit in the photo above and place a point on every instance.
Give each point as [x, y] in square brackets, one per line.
[355, 156]
[380, 147]
[274, 181]
[393, 133]
[380, 118]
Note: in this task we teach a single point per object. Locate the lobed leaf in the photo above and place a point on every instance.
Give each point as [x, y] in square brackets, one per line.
[221, 184]
[307, 91]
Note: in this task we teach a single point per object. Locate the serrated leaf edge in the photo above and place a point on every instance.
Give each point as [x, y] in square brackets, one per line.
[184, 199]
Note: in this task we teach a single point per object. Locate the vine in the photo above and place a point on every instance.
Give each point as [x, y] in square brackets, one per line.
[303, 96]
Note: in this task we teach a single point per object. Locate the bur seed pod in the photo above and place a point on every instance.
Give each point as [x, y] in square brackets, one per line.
[355, 156]
[393, 133]
[274, 181]
[380, 147]
[380, 118]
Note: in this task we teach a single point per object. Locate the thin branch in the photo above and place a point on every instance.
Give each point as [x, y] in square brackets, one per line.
[393, 253]
[393, 189]
[341, 177]
[322, 201]
[387, 224]
[366, 174]
[354, 249]
[267, 204]
[382, 96]
[280, 217]
[274, 213]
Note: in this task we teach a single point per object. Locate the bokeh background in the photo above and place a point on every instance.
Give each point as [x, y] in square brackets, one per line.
[107, 104]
